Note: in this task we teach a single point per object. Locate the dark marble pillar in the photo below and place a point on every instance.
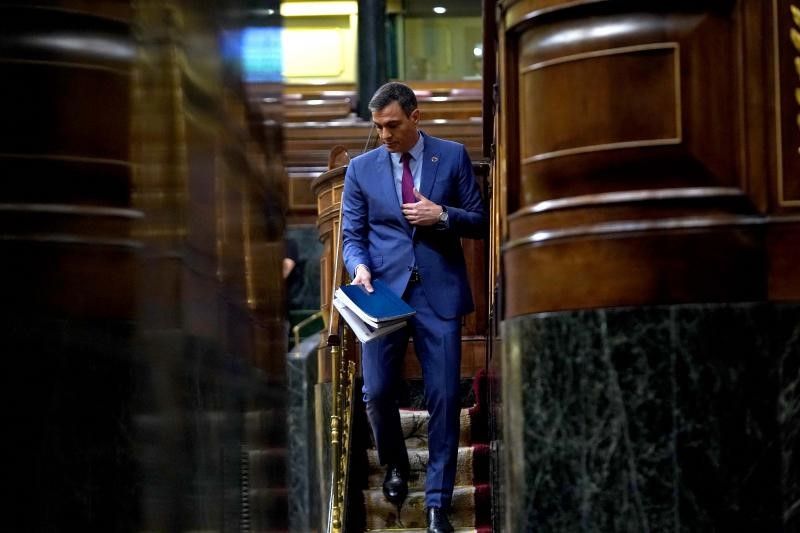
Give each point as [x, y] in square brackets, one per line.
[71, 460]
[323, 397]
[304, 498]
[497, 468]
[670, 418]
[309, 249]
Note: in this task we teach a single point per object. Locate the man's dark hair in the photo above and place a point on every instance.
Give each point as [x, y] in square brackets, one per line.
[394, 92]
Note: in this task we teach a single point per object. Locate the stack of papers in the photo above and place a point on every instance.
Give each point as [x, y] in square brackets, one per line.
[371, 314]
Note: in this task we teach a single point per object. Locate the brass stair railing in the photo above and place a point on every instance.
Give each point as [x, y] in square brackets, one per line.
[343, 377]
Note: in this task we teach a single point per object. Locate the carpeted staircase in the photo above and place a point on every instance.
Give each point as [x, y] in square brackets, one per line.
[471, 507]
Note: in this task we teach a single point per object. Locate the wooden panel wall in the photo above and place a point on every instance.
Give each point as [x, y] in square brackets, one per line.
[643, 153]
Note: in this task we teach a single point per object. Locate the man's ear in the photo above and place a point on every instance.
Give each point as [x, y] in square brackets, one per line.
[415, 115]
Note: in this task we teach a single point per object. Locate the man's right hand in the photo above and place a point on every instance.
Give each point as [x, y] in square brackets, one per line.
[363, 277]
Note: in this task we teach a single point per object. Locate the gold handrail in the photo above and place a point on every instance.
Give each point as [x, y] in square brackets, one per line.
[336, 449]
[300, 325]
[343, 377]
[347, 432]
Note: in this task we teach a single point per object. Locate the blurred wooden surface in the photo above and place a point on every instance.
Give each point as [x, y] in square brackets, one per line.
[210, 183]
[128, 192]
[66, 218]
[141, 226]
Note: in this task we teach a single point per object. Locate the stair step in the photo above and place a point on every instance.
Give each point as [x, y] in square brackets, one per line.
[471, 504]
[472, 467]
[415, 428]
[381, 514]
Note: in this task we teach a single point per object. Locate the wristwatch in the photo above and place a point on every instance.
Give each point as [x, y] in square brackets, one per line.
[443, 215]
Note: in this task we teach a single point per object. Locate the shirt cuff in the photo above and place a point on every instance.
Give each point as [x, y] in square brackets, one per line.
[355, 270]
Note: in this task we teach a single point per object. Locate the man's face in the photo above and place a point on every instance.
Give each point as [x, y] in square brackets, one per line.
[397, 131]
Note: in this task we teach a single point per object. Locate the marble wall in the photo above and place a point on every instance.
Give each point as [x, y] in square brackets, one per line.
[496, 442]
[306, 294]
[323, 396]
[73, 457]
[672, 418]
[304, 498]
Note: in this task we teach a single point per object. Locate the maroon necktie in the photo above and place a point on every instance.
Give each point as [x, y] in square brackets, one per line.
[407, 186]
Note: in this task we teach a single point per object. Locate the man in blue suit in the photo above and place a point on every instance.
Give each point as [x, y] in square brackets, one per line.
[405, 207]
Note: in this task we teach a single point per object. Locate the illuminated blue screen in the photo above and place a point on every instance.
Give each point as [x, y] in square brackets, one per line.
[261, 54]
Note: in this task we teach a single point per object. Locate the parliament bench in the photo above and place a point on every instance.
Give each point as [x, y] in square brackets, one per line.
[307, 146]
[450, 107]
[302, 109]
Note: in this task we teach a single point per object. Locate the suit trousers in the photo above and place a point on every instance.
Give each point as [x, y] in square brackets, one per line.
[437, 343]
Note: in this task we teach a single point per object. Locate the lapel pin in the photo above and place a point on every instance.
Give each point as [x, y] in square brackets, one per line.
[434, 159]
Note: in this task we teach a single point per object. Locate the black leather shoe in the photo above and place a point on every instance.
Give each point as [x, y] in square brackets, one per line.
[395, 486]
[438, 521]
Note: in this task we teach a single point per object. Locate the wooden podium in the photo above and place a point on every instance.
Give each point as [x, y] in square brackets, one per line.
[328, 188]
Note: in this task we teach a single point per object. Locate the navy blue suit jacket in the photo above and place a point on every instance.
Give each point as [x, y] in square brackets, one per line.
[375, 232]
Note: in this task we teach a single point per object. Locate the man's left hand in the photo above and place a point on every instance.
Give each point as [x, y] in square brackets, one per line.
[423, 212]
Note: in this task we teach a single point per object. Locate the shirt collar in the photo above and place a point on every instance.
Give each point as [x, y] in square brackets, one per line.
[416, 150]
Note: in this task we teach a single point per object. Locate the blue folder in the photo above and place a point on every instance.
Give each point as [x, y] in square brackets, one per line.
[379, 306]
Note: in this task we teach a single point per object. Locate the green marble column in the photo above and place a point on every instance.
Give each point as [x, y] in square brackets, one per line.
[668, 418]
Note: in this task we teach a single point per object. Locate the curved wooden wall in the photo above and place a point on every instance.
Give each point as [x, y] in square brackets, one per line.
[644, 156]
[64, 203]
